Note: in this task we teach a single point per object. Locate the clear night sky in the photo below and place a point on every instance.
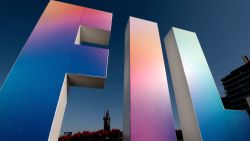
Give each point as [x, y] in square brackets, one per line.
[223, 28]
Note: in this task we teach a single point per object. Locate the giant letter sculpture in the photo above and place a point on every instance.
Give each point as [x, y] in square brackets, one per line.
[32, 99]
[147, 106]
[202, 116]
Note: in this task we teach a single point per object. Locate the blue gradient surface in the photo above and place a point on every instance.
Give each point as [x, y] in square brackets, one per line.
[29, 96]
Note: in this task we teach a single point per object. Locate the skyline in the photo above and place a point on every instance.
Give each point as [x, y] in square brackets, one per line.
[114, 84]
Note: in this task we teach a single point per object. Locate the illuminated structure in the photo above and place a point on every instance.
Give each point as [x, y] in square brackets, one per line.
[202, 115]
[147, 106]
[237, 88]
[34, 95]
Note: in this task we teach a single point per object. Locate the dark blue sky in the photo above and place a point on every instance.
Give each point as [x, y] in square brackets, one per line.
[223, 29]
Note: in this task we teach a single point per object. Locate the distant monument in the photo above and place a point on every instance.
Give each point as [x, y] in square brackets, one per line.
[100, 135]
[106, 121]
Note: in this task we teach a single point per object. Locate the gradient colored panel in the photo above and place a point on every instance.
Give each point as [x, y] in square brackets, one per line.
[96, 19]
[190, 72]
[147, 106]
[29, 96]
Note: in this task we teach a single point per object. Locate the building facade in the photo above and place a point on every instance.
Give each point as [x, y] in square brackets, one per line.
[237, 87]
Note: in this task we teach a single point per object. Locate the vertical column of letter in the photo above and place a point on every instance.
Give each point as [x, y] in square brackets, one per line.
[202, 116]
[147, 113]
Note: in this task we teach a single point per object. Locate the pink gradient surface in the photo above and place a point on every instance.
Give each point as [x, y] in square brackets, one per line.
[151, 114]
[96, 19]
[62, 16]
